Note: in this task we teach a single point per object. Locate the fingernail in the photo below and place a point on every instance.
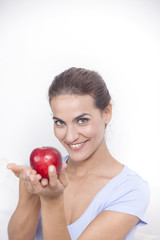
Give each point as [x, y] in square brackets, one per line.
[31, 178]
[51, 169]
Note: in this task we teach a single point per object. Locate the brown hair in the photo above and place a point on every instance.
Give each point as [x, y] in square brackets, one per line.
[80, 81]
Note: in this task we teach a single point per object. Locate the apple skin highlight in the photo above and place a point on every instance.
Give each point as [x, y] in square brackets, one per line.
[42, 158]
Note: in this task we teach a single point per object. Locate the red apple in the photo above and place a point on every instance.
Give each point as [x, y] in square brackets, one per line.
[42, 158]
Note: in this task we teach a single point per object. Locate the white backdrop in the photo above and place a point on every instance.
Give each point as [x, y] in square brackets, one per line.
[119, 39]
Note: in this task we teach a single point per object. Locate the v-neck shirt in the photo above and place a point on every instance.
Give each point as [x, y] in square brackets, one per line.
[126, 193]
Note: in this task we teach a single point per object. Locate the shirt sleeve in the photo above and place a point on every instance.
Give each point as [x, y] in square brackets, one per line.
[130, 197]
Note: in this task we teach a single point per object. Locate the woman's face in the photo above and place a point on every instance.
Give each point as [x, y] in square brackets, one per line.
[78, 124]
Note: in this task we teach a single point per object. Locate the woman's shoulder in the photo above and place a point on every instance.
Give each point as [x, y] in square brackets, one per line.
[129, 190]
[129, 194]
[127, 186]
[129, 181]
[134, 180]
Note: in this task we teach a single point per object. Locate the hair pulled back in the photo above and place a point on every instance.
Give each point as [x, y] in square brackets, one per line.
[80, 81]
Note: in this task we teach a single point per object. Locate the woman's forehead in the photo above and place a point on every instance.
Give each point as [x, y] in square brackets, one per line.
[72, 104]
[72, 100]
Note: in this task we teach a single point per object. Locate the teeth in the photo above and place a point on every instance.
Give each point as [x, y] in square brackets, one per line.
[76, 145]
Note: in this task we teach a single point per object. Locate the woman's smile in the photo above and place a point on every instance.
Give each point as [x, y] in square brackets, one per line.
[77, 146]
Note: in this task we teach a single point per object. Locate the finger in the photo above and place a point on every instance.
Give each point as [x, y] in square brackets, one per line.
[33, 183]
[17, 170]
[52, 176]
[29, 172]
[35, 179]
[12, 166]
[32, 171]
[63, 175]
[44, 182]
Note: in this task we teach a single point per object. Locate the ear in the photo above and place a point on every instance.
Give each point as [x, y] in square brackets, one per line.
[108, 113]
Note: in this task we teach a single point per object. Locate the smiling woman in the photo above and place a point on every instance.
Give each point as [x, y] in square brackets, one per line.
[82, 130]
[94, 196]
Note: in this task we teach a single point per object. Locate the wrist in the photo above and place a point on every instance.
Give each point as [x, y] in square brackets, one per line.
[31, 200]
[46, 201]
[25, 196]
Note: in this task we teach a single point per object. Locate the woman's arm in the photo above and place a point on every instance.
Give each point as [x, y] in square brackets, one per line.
[24, 221]
[47, 194]
[53, 219]
[52, 205]
[109, 225]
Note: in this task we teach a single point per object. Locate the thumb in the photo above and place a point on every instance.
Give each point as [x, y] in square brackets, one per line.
[63, 178]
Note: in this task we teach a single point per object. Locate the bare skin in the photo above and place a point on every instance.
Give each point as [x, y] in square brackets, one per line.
[89, 167]
[21, 219]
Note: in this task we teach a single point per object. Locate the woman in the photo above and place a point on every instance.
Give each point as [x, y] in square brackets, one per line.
[94, 196]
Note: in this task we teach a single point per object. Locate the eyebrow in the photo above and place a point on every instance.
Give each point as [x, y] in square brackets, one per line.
[81, 116]
[75, 119]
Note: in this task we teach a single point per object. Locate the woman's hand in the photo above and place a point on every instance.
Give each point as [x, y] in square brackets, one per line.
[24, 173]
[52, 187]
[46, 188]
[21, 171]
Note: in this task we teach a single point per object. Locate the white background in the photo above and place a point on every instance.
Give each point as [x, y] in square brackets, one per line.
[119, 39]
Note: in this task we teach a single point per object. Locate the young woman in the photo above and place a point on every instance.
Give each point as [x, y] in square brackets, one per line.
[95, 197]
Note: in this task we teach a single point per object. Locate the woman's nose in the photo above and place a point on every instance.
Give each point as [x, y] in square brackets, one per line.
[72, 134]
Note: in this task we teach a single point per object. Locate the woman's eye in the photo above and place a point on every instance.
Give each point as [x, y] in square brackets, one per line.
[59, 123]
[83, 120]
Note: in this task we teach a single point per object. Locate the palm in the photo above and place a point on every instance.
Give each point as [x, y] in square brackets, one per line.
[20, 171]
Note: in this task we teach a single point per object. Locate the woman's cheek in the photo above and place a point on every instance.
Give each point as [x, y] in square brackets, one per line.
[94, 130]
[90, 131]
[59, 133]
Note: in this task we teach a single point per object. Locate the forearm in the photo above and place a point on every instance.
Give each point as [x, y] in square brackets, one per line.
[53, 219]
[24, 221]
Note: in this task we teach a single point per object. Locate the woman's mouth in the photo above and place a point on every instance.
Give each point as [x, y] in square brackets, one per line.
[76, 146]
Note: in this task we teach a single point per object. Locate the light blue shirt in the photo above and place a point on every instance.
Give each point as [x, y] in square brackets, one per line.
[126, 193]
